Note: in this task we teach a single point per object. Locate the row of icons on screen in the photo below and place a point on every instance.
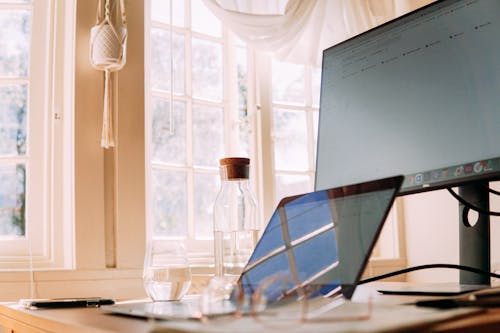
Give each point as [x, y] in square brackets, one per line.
[443, 174]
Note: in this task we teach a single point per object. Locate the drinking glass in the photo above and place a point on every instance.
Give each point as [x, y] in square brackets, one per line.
[167, 275]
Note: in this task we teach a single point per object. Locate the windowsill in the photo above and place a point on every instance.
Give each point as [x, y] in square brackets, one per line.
[378, 266]
[118, 283]
[115, 283]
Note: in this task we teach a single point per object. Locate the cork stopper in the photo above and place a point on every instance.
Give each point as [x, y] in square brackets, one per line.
[234, 168]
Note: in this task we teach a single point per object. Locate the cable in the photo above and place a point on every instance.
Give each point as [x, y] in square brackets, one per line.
[415, 268]
[471, 206]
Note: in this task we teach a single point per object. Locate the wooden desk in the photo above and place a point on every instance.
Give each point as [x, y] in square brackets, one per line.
[76, 320]
[84, 320]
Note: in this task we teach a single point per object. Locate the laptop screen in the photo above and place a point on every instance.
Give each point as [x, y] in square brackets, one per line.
[320, 241]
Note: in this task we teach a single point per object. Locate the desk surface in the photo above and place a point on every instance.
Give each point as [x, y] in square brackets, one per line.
[76, 320]
[80, 320]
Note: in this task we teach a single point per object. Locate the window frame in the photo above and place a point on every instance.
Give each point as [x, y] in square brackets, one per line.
[200, 250]
[48, 241]
[391, 254]
[260, 113]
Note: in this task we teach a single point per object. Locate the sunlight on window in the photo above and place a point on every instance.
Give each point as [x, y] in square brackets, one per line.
[290, 140]
[160, 12]
[207, 70]
[315, 116]
[287, 185]
[13, 113]
[169, 207]
[12, 204]
[316, 86]
[207, 187]
[294, 130]
[169, 143]
[203, 21]
[244, 127]
[288, 83]
[160, 60]
[15, 34]
[208, 141]
[186, 145]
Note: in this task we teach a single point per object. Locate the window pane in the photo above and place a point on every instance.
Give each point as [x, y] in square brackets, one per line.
[15, 30]
[290, 140]
[207, 186]
[241, 54]
[168, 143]
[160, 60]
[208, 139]
[207, 70]
[202, 19]
[160, 11]
[245, 124]
[13, 119]
[12, 200]
[245, 131]
[316, 84]
[287, 185]
[288, 83]
[315, 115]
[169, 202]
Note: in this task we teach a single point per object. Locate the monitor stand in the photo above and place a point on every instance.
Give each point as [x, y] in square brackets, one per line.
[474, 239]
[474, 248]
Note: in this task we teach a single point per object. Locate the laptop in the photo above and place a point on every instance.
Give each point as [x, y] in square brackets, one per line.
[320, 242]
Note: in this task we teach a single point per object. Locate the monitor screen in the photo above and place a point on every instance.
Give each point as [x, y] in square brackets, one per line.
[418, 96]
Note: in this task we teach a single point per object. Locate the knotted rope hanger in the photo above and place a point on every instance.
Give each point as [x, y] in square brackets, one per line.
[108, 43]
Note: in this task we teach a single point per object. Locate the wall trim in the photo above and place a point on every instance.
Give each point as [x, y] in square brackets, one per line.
[115, 283]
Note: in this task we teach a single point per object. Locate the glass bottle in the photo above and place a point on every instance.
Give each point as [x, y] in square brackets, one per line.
[235, 219]
[167, 275]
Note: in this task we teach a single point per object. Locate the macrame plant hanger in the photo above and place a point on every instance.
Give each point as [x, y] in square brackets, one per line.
[108, 44]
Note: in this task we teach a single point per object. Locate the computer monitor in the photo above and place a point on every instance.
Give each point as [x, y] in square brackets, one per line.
[419, 96]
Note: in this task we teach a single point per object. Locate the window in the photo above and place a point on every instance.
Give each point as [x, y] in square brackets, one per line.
[34, 126]
[295, 114]
[197, 115]
[294, 126]
[227, 100]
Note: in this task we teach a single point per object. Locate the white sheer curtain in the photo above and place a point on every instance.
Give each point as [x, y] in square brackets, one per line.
[298, 30]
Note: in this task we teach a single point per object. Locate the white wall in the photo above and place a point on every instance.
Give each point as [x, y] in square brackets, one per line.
[432, 234]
